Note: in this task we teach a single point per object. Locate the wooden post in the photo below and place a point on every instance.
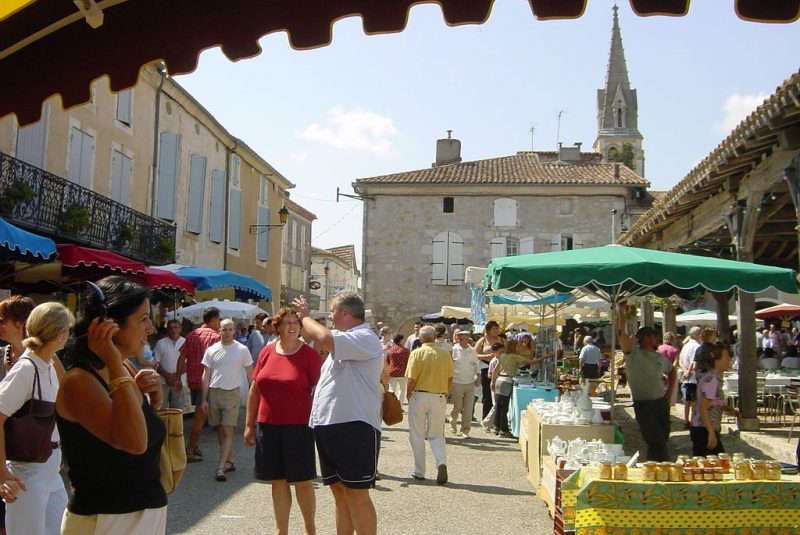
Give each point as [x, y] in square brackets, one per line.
[670, 324]
[723, 321]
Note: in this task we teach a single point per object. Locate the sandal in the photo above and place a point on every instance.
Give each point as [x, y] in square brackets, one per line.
[229, 467]
[193, 458]
[221, 475]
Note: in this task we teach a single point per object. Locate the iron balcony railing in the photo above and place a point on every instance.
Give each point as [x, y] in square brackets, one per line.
[48, 204]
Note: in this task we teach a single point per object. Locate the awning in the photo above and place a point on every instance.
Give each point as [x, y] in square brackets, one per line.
[161, 279]
[52, 47]
[211, 279]
[75, 256]
[18, 244]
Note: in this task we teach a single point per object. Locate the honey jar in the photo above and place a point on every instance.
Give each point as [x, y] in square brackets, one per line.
[682, 459]
[708, 474]
[718, 473]
[773, 470]
[711, 461]
[737, 457]
[758, 469]
[690, 462]
[621, 471]
[649, 471]
[688, 474]
[605, 470]
[697, 473]
[662, 471]
[741, 470]
[725, 462]
[675, 472]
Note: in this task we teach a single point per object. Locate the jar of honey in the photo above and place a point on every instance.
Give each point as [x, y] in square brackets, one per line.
[649, 471]
[675, 472]
[606, 471]
[682, 459]
[690, 462]
[711, 461]
[688, 474]
[737, 457]
[708, 474]
[725, 462]
[758, 469]
[621, 471]
[773, 470]
[741, 470]
[718, 474]
[662, 471]
[697, 473]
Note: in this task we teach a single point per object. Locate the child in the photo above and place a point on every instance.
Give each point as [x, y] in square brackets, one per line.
[501, 373]
[496, 350]
[710, 403]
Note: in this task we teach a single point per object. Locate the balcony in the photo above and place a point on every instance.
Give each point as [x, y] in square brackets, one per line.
[50, 205]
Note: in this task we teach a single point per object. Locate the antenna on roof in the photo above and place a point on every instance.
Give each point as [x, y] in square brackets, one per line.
[532, 130]
[558, 127]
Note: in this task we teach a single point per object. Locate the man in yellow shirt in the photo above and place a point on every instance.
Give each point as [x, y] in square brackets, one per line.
[430, 375]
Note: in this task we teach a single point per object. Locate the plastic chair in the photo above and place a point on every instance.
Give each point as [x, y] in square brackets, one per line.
[792, 402]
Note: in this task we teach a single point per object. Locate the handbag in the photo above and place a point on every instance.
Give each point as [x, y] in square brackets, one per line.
[392, 411]
[29, 431]
[173, 451]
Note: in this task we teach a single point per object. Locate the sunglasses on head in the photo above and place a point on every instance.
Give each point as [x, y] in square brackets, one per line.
[102, 298]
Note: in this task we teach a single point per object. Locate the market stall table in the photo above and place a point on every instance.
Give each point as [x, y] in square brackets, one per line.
[591, 505]
[521, 396]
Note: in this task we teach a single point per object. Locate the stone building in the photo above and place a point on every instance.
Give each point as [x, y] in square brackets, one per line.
[296, 265]
[422, 228]
[333, 270]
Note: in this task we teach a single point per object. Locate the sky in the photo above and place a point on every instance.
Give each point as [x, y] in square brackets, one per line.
[369, 105]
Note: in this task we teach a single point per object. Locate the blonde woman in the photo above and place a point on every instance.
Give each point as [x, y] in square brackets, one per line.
[34, 492]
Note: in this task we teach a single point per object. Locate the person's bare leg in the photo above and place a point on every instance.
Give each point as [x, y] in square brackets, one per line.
[307, 500]
[198, 422]
[281, 505]
[363, 517]
[344, 525]
[225, 437]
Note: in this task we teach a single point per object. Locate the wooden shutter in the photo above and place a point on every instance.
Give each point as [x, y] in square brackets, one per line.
[439, 263]
[498, 247]
[234, 218]
[81, 155]
[124, 106]
[197, 191]
[32, 139]
[236, 164]
[505, 213]
[455, 259]
[526, 245]
[577, 241]
[167, 175]
[262, 244]
[121, 171]
[217, 208]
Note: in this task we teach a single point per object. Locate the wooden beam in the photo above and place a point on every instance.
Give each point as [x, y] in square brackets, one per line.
[761, 248]
[781, 248]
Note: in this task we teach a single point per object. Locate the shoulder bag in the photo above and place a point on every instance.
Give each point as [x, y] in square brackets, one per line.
[173, 451]
[29, 431]
[392, 411]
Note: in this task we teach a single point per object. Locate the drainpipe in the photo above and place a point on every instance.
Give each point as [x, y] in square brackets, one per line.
[231, 152]
[161, 71]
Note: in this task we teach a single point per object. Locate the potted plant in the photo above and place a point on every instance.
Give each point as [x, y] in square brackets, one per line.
[17, 192]
[124, 236]
[166, 249]
[74, 218]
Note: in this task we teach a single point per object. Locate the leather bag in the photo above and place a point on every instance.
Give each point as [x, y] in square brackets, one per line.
[173, 451]
[29, 431]
[392, 410]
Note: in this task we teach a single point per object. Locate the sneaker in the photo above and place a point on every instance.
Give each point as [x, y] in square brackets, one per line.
[418, 478]
[441, 474]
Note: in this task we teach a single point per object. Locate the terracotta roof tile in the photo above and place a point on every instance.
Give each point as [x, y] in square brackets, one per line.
[521, 168]
[346, 253]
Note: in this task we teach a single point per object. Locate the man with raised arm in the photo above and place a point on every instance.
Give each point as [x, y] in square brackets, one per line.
[346, 412]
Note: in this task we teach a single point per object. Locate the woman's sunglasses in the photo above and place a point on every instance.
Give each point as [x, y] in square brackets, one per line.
[102, 298]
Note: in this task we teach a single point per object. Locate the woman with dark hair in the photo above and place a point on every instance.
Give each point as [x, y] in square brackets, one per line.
[14, 313]
[491, 336]
[278, 410]
[110, 434]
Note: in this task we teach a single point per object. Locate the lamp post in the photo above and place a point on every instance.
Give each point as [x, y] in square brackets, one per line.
[283, 217]
[613, 225]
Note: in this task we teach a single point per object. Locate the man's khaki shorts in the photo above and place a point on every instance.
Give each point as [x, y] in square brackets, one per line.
[223, 406]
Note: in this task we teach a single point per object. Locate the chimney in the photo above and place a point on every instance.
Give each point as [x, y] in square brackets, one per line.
[616, 171]
[569, 154]
[447, 150]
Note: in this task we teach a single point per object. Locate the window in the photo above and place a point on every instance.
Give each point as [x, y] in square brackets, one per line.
[81, 157]
[512, 246]
[167, 175]
[32, 140]
[448, 263]
[613, 154]
[262, 240]
[234, 217]
[619, 117]
[124, 105]
[197, 191]
[217, 205]
[566, 242]
[121, 171]
[447, 205]
[505, 213]
[566, 206]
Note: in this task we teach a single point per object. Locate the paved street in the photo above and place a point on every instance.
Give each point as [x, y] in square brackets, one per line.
[488, 490]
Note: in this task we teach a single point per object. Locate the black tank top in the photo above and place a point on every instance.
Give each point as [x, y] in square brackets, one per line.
[107, 480]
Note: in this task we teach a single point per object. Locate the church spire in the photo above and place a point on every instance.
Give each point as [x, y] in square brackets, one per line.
[617, 106]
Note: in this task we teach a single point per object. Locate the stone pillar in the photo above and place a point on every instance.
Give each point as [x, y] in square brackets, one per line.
[648, 314]
[670, 324]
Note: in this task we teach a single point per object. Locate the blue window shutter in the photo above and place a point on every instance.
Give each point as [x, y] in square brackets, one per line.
[167, 175]
[234, 218]
[262, 245]
[217, 206]
[197, 189]
[121, 170]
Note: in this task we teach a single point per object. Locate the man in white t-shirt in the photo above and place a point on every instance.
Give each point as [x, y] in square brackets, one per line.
[465, 360]
[223, 365]
[170, 365]
[687, 365]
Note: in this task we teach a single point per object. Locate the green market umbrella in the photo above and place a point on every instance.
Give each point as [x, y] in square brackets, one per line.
[616, 272]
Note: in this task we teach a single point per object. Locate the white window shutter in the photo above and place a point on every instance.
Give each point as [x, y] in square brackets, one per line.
[497, 247]
[505, 213]
[455, 259]
[262, 242]
[526, 245]
[124, 106]
[577, 241]
[75, 141]
[555, 242]
[167, 175]
[439, 260]
[87, 160]
[31, 141]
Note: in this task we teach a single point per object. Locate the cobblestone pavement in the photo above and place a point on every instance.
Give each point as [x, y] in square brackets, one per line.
[488, 491]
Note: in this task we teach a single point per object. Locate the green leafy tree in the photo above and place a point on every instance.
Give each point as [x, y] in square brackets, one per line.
[624, 157]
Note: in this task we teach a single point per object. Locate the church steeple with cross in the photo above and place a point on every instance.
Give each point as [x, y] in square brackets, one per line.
[618, 110]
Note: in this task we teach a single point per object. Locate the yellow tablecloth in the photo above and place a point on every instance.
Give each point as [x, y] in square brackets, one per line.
[593, 506]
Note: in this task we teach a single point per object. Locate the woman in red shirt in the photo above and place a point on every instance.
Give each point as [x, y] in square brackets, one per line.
[278, 409]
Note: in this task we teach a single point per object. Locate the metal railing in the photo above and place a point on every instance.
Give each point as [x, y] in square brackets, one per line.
[48, 204]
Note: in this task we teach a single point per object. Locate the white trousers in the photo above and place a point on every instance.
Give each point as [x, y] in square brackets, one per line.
[398, 386]
[38, 510]
[463, 398]
[426, 414]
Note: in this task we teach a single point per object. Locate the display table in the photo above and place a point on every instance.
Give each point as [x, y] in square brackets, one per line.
[521, 396]
[539, 433]
[591, 505]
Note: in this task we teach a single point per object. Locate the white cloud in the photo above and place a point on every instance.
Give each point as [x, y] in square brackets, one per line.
[299, 156]
[353, 130]
[735, 108]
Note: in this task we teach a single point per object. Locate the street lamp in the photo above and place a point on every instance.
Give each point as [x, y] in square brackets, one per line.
[283, 216]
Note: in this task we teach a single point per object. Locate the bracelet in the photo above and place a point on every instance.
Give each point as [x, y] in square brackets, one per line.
[116, 383]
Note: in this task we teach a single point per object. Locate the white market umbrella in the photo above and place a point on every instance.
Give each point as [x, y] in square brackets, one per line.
[227, 309]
